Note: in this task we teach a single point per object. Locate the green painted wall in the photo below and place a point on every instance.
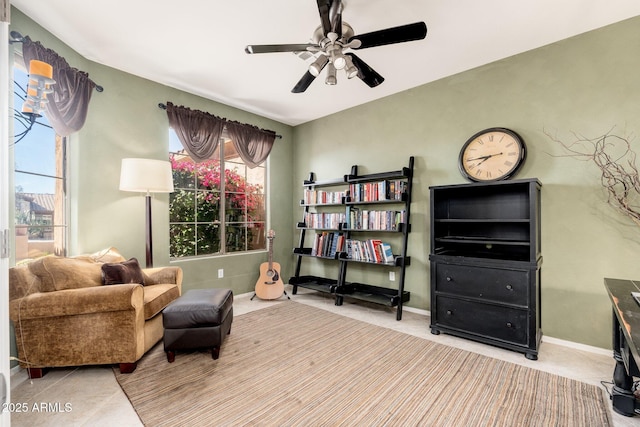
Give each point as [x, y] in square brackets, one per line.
[587, 84]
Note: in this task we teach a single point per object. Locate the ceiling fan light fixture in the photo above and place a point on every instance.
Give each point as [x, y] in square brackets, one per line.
[337, 57]
[339, 61]
[318, 65]
[350, 69]
[331, 75]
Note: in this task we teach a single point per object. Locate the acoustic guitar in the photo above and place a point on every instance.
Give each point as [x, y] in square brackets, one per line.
[269, 284]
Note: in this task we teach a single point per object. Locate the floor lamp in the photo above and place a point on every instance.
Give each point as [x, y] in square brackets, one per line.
[146, 176]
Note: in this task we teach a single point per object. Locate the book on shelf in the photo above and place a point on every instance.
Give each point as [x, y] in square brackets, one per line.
[314, 247]
[373, 250]
[387, 253]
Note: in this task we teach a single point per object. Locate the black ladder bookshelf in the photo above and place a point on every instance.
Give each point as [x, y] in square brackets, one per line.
[350, 219]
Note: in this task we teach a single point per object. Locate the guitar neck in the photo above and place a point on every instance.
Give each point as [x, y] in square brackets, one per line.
[270, 237]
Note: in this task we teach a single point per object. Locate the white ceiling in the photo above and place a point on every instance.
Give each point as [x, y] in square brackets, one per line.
[198, 45]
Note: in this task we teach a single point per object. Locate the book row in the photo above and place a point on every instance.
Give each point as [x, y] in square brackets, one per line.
[375, 220]
[328, 244]
[324, 220]
[377, 191]
[358, 192]
[371, 250]
[321, 197]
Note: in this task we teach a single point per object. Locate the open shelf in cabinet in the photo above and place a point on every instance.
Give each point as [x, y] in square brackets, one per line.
[497, 219]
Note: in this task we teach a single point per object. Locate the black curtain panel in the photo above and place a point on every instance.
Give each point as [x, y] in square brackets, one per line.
[252, 143]
[199, 132]
[68, 104]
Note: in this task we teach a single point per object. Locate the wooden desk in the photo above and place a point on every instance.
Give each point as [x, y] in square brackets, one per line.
[626, 342]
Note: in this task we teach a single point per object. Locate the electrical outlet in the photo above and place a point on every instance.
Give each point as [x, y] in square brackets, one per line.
[392, 276]
[220, 273]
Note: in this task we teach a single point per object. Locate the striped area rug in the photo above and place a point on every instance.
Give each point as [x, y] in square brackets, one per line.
[296, 365]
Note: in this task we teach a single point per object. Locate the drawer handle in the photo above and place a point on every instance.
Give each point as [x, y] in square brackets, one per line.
[449, 279]
[509, 325]
[509, 287]
[449, 312]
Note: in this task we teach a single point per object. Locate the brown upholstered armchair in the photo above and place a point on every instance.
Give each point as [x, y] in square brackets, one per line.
[64, 315]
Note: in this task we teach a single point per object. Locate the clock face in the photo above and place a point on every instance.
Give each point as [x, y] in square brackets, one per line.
[492, 154]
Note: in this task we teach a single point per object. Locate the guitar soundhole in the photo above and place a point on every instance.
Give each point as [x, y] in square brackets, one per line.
[273, 275]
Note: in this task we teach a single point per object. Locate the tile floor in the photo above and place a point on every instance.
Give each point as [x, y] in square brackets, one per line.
[90, 396]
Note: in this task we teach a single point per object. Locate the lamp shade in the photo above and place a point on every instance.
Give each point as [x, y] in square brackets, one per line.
[146, 176]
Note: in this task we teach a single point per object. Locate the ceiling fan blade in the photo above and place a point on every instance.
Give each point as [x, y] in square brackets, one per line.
[401, 34]
[304, 83]
[335, 14]
[323, 9]
[365, 72]
[270, 48]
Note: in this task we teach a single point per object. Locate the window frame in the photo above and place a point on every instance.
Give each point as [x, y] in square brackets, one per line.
[60, 224]
[223, 212]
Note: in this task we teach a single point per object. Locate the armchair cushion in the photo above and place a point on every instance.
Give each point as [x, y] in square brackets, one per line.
[157, 297]
[59, 273]
[106, 255]
[114, 273]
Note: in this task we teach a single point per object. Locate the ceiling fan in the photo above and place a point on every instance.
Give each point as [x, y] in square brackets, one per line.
[332, 41]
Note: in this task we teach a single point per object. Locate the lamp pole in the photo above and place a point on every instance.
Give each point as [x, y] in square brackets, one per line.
[146, 176]
[149, 249]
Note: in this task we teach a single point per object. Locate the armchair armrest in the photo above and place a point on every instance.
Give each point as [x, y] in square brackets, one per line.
[69, 302]
[163, 275]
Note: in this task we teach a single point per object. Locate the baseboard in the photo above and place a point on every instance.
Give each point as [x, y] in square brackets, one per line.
[578, 346]
[15, 370]
[417, 311]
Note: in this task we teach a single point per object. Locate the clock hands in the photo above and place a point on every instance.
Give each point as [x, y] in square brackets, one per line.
[484, 158]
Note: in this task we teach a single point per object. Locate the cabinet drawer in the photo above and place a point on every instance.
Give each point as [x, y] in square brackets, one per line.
[486, 320]
[496, 284]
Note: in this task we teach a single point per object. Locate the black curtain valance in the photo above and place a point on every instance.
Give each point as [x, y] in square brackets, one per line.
[199, 132]
[69, 103]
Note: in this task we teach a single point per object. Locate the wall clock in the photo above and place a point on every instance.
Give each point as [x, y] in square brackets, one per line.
[492, 154]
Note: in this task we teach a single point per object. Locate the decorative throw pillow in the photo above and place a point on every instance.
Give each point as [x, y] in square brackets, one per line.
[122, 272]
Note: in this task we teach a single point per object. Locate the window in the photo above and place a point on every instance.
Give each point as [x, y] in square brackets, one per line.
[213, 216]
[39, 178]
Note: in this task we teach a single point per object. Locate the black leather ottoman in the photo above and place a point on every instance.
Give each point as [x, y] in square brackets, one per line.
[201, 318]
